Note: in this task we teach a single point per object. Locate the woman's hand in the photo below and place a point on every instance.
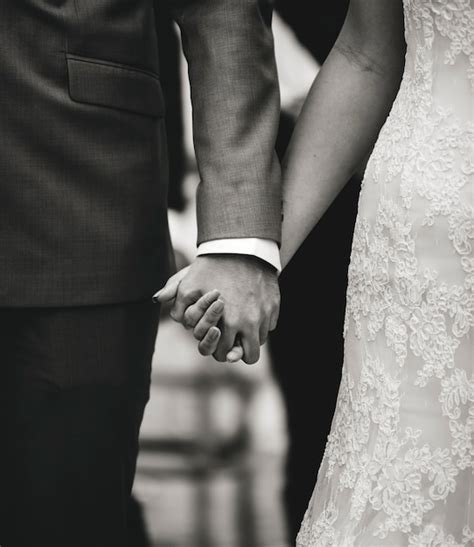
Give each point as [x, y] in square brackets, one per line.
[170, 290]
[202, 316]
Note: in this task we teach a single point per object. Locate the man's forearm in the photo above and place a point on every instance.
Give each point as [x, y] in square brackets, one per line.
[235, 96]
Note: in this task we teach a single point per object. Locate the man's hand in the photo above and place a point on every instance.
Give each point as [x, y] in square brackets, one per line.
[247, 286]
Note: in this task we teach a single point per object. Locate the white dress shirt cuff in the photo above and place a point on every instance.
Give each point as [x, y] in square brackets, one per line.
[265, 249]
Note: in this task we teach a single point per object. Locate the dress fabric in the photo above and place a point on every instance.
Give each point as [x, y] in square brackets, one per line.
[398, 466]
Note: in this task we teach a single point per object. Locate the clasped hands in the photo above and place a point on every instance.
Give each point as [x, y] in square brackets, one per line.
[231, 302]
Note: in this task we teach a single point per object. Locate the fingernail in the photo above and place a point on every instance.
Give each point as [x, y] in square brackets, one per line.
[219, 305]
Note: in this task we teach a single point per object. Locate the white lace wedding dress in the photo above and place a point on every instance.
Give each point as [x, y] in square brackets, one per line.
[398, 467]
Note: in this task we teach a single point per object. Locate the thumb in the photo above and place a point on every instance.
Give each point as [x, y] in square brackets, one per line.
[170, 290]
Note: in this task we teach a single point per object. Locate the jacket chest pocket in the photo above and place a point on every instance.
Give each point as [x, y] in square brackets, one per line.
[113, 85]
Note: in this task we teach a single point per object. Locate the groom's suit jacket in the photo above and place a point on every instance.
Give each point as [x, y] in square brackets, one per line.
[83, 159]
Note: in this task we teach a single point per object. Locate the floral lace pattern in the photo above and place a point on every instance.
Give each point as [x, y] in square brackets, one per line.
[399, 462]
[452, 19]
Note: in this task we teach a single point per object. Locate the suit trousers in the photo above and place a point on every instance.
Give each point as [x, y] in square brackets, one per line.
[74, 383]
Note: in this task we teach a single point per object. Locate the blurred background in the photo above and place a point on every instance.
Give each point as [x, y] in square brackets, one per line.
[229, 453]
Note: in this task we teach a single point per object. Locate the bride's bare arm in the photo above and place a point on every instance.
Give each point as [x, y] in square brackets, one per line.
[345, 109]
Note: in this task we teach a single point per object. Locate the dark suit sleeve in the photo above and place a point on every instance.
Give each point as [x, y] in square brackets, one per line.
[234, 90]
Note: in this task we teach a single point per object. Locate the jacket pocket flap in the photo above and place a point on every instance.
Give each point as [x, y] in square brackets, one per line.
[98, 82]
